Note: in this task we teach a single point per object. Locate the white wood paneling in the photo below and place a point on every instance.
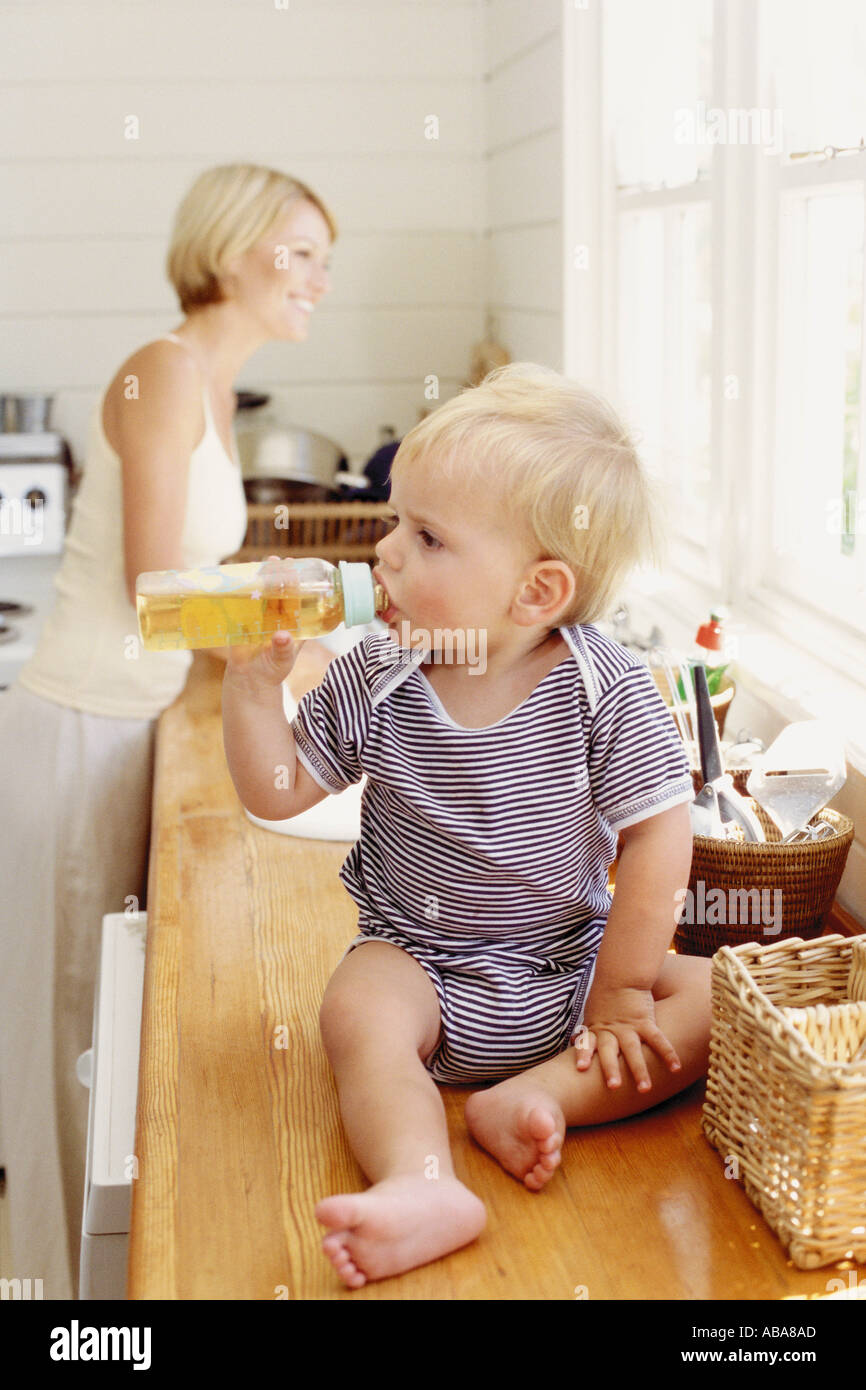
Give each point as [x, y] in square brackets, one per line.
[530, 336]
[227, 120]
[525, 96]
[376, 345]
[332, 91]
[164, 42]
[121, 198]
[523, 144]
[525, 181]
[352, 418]
[376, 270]
[526, 267]
[512, 26]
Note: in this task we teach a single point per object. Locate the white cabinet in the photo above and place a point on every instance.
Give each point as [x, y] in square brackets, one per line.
[110, 1069]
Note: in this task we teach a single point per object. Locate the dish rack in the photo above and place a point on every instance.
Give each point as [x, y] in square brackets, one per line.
[786, 1090]
[329, 530]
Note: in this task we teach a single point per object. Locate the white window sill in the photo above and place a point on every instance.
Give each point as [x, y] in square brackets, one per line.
[778, 681]
[785, 676]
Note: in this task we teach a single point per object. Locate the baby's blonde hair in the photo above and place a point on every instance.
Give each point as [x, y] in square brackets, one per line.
[225, 212]
[547, 447]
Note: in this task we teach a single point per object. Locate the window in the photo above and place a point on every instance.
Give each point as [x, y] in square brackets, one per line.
[734, 144]
[662, 171]
[814, 64]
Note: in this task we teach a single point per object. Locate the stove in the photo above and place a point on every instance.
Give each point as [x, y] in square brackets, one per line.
[27, 592]
[34, 494]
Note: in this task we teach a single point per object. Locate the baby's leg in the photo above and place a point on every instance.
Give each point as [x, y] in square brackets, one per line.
[522, 1121]
[380, 1020]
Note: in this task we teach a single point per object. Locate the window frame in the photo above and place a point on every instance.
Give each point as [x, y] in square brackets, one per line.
[745, 188]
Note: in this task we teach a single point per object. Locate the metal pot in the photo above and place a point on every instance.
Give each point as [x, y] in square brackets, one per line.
[275, 491]
[25, 414]
[270, 449]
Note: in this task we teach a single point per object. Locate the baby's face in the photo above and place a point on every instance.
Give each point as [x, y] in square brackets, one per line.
[452, 560]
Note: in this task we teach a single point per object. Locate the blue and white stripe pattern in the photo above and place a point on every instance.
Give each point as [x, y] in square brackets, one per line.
[484, 852]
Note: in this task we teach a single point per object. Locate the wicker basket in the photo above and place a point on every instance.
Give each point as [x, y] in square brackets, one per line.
[793, 1121]
[768, 892]
[331, 530]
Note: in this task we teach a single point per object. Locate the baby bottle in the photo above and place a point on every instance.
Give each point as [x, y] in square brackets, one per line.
[244, 604]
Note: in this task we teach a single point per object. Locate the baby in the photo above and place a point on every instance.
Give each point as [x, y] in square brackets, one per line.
[496, 791]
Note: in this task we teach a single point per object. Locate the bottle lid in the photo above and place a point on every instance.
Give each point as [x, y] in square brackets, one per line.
[359, 604]
[710, 636]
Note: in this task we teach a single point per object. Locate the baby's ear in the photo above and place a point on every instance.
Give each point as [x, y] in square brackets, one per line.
[547, 591]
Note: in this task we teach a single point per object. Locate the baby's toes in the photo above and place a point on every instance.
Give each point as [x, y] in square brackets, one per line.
[334, 1246]
[337, 1252]
[542, 1127]
[352, 1276]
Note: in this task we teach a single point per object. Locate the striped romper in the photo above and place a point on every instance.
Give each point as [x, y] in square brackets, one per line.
[484, 853]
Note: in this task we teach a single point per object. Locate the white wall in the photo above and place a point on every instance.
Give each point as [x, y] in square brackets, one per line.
[523, 152]
[336, 93]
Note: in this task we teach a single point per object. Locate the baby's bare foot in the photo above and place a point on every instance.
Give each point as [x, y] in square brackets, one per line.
[523, 1129]
[398, 1224]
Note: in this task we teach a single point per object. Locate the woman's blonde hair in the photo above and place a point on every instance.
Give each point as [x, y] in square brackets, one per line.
[225, 212]
[561, 461]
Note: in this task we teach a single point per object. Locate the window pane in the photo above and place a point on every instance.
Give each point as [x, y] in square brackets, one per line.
[815, 56]
[658, 81]
[818, 455]
[665, 349]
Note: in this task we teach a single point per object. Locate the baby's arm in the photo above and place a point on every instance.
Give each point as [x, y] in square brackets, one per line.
[260, 749]
[653, 866]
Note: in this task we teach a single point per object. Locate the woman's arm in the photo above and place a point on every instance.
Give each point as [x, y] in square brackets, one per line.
[155, 434]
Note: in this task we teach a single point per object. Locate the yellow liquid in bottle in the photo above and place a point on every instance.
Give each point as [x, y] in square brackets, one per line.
[169, 622]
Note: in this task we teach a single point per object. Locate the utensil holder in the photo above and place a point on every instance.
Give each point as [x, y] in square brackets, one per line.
[761, 892]
[721, 701]
[789, 1122]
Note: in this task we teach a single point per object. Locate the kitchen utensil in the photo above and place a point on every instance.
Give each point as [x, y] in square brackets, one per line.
[268, 448]
[799, 773]
[732, 808]
[659, 657]
[251, 400]
[819, 831]
[705, 815]
[27, 414]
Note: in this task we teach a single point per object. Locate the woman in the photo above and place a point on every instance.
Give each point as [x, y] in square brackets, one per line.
[161, 490]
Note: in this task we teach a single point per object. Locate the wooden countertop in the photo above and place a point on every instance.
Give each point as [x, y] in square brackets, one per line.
[238, 1138]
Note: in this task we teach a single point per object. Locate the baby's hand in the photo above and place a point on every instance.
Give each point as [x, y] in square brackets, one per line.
[619, 1020]
[265, 664]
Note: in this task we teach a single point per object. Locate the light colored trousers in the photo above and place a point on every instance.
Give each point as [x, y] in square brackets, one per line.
[75, 804]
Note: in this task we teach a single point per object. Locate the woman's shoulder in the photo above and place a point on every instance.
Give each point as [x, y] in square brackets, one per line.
[161, 376]
[162, 360]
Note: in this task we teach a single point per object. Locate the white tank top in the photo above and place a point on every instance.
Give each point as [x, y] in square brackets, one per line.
[88, 654]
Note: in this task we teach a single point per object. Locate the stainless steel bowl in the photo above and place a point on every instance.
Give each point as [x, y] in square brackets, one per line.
[270, 449]
[27, 414]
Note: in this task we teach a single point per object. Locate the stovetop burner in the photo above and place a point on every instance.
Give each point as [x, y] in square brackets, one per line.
[8, 633]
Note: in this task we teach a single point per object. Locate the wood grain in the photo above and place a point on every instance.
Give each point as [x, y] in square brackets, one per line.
[238, 1136]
